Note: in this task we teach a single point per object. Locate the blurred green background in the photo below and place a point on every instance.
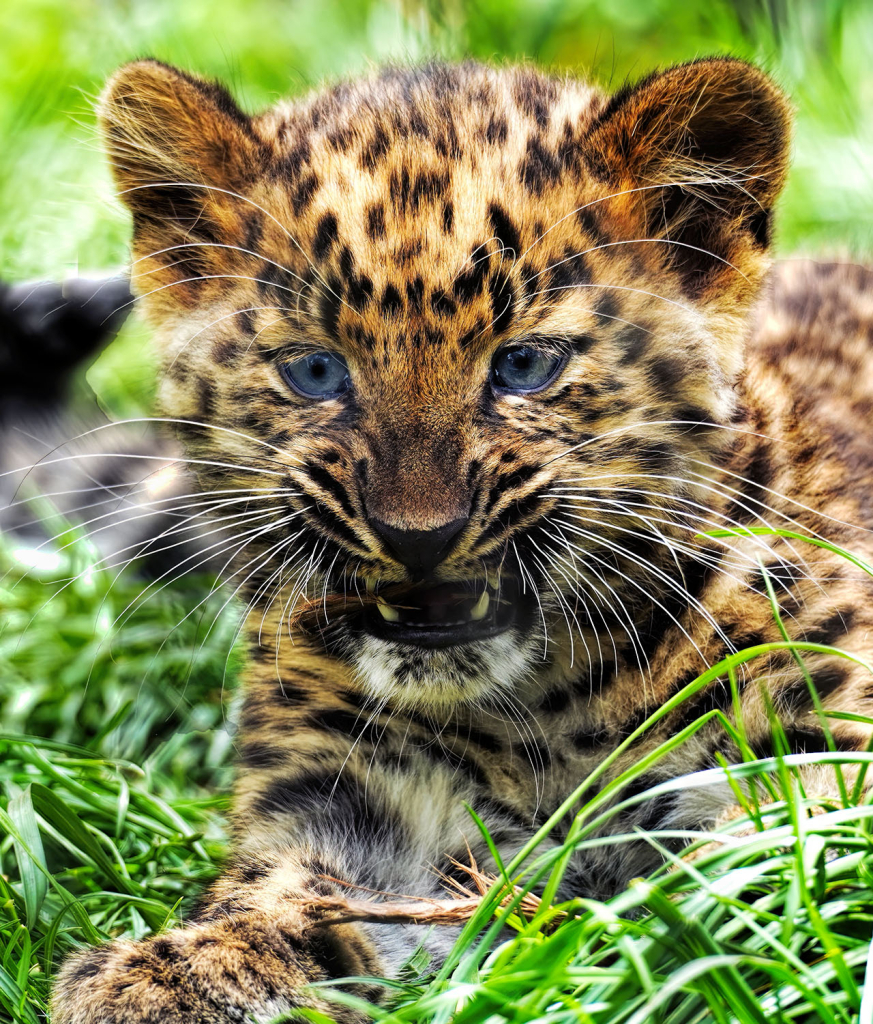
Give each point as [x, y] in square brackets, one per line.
[57, 212]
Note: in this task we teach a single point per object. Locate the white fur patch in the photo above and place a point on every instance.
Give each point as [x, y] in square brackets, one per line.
[411, 676]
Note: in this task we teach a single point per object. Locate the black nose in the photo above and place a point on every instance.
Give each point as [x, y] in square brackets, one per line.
[420, 550]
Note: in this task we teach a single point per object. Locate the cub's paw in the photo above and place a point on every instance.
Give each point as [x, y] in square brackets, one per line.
[228, 972]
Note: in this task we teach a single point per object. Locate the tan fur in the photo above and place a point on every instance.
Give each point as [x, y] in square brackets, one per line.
[416, 223]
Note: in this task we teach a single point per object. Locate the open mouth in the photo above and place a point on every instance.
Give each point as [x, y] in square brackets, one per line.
[441, 614]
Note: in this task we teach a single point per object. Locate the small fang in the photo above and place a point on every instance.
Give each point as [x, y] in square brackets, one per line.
[480, 609]
[371, 585]
[388, 613]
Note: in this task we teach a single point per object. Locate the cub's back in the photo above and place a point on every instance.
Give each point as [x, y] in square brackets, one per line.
[810, 369]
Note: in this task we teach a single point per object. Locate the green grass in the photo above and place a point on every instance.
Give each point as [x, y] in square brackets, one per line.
[114, 755]
[113, 760]
[772, 928]
[775, 926]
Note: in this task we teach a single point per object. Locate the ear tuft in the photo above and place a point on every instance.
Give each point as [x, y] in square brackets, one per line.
[177, 145]
[706, 143]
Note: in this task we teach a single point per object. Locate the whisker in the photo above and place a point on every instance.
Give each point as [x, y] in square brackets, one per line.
[297, 592]
[626, 192]
[218, 320]
[614, 288]
[357, 740]
[525, 574]
[563, 607]
[265, 556]
[639, 241]
[517, 715]
[659, 574]
[285, 566]
[629, 628]
[707, 484]
[235, 543]
[221, 525]
[205, 277]
[670, 423]
[783, 497]
[122, 566]
[247, 199]
[710, 561]
[173, 459]
[573, 508]
[109, 489]
[238, 544]
[205, 510]
[217, 245]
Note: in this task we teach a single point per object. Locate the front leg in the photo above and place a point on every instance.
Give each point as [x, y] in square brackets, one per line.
[314, 799]
[249, 956]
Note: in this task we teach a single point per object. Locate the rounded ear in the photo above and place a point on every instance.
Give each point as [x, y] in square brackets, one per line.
[706, 147]
[178, 146]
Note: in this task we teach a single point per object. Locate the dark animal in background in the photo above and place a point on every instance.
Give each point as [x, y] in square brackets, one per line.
[47, 332]
[56, 444]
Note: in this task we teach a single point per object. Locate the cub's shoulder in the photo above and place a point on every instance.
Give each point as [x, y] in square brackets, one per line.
[817, 315]
[809, 380]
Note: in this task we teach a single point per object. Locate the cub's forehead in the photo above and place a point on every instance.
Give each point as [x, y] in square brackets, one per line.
[451, 203]
[414, 195]
[416, 160]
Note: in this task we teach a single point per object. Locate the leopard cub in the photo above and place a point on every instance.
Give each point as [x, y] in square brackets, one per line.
[475, 362]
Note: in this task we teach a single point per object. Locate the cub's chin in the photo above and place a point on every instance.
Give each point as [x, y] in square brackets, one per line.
[431, 642]
[414, 676]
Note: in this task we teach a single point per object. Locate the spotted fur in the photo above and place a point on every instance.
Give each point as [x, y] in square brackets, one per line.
[414, 222]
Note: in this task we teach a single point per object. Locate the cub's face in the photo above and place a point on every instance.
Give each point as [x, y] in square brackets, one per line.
[436, 337]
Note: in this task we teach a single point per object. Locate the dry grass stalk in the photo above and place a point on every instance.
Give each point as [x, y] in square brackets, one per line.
[457, 908]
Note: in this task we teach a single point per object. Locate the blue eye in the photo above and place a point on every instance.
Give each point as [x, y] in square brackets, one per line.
[318, 375]
[524, 368]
